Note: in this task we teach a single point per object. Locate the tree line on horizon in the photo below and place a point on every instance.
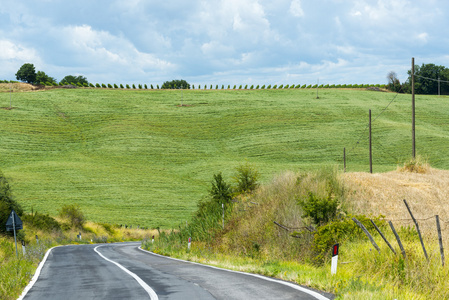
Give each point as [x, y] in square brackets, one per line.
[429, 79]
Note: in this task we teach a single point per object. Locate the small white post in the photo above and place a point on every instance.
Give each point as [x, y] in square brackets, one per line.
[152, 240]
[23, 248]
[190, 242]
[334, 259]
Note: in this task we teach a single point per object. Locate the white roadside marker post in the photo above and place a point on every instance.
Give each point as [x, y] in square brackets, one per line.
[334, 259]
[152, 240]
[190, 242]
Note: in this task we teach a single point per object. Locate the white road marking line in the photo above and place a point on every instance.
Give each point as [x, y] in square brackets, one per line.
[145, 286]
[36, 275]
[292, 285]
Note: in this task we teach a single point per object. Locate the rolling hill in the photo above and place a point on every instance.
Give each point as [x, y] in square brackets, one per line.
[145, 157]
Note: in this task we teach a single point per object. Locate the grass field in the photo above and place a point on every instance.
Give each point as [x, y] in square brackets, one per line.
[138, 157]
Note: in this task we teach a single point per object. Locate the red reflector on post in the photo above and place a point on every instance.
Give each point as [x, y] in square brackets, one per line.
[335, 250]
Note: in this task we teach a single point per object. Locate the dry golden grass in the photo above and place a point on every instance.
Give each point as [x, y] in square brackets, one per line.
[383, 194]
[17, 87]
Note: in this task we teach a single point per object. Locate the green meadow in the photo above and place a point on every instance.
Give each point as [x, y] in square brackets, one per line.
[139, 157]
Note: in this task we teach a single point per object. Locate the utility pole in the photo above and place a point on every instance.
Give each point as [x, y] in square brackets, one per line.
[10, 95]
[370, 146]
[438, 86]
[413, 108]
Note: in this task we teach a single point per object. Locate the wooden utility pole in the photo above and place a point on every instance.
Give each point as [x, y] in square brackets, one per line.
[370, 146]
[413, 108]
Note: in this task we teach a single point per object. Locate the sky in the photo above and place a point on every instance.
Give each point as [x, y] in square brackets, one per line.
[223, 41]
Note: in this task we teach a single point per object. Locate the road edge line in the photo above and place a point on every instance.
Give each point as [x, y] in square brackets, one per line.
[290, 284]
[36, 274]
[142, 283]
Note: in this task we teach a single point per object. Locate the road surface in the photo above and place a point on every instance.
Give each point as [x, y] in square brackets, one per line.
[122, 271]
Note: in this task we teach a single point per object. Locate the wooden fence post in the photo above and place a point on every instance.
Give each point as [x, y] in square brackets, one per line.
[417, 229]
[440, 239]
[381, 234]
[367, 234]
[397, 239]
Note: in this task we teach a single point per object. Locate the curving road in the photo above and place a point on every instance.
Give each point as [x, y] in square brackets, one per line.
[123, 271]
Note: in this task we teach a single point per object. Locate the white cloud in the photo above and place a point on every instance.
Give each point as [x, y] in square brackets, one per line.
[296, 9]
[101, 47]
[423, 37]
[11, 51]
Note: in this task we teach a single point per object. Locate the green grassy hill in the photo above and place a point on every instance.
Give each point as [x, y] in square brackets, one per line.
[138, 157]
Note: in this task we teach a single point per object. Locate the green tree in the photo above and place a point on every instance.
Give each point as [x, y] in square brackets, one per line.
[220, 191]
[176, 84]
[26, 73]
[70, 79]
[44, 78]
[426, 79]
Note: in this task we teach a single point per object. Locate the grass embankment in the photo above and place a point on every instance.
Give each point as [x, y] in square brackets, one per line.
[16, 272]
[252, 242]
[138, 157]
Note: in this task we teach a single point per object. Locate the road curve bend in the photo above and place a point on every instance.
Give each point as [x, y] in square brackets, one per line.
[124, 271]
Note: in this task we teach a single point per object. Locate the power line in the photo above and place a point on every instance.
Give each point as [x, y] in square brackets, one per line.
[439, 80]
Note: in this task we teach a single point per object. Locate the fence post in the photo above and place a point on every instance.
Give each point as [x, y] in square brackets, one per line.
[440, 239]
[367, 234]
[397, 239]
[381, 234]
[417, 229]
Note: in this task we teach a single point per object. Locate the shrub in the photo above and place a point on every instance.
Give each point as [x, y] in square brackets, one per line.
[240, 87]
[417, 164]
[262, 87]
[42, 222]
[269, 86]
[109, 86]
[257, 87]
[297, 86]
[229, 86]
[275, 86]
[127, 86]
[7, 203]
[222, 86]
[193, 86]
[320, 210]
[146, 87]
[340, 231]
[134, 87]
[246, 179]
[140, 86]
[234, 87]
[281, 86]
[246, 87]
[121, 86]
[115, 86]
[103, 85]
[157, 86]
[216, 87]
[72, 213]
[151, 86]
[211, 86]
[251, 87]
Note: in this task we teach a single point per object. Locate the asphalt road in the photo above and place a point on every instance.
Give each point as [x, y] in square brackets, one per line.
[122, 271]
